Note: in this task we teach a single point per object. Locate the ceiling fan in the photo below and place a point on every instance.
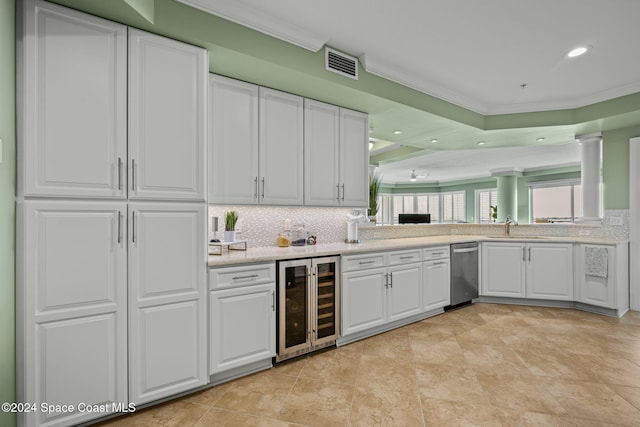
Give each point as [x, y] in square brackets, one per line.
[415, 176]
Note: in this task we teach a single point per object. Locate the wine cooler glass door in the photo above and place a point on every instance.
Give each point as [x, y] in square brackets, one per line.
[327, 291]
[294, 310]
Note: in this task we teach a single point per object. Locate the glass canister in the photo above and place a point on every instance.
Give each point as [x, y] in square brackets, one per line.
[299, 234]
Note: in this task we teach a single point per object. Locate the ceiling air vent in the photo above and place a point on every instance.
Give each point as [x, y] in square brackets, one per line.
[340, 63]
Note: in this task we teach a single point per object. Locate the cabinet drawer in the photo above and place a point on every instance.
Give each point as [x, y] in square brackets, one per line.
[435, 253]
[405, 257]
[234, 277]
[361, 262]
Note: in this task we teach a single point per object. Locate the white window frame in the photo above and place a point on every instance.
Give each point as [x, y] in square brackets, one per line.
[477, 202]
[572, 182]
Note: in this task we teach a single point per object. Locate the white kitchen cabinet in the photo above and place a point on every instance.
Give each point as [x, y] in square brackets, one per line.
[242, 326]
[531, 270]
[167, 118]
[364, 300]
[167, 299]
[336, 156]
[503, 269]
[281, 159]
[549, 271]
[436, 284]
[233, 141]
[602, 276]
[73, 91]
[321, 154]
[404, 290]
[72, 294]
[354, 158]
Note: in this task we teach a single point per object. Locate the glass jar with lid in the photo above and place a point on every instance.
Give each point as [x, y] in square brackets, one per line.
[299, 234]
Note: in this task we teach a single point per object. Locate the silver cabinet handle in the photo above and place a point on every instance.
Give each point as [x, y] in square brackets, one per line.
[273, 300]
[251, 277]
[366, 262]
[524, 255]
[133, 226]
[338, 191]
[391, 279]
[386, 280]
[437, 253]
[438, 263]
[406, 257]
[255, 187]
[133, 175]
[119, 173]
[343, 191]
[263, 187]
[119, 227]
[529, 254]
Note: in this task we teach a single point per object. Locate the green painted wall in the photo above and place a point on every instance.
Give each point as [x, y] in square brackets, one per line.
[7, 208]
[615, 166]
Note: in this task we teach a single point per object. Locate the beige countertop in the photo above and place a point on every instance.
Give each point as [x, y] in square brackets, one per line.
[274, 253]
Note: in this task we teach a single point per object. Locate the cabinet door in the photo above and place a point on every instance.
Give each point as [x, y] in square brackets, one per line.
[363, 300]
[281, 148]
[233, 141]
[73, 116]
[436, 284]
[354, 158]
[404, 291]
[167, 306]
[550, 271]
[167, 118]
[72, 302]
[321, 154]
[242, 325]
[592, 287]
[503, 269]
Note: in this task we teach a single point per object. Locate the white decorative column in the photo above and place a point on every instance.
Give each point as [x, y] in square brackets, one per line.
[634, 216]
[591, 177]
[507, 191]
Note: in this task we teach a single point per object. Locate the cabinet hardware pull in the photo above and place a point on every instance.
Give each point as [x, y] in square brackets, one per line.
[343, 191]
[386, 280]
[255, 189]
[366, 262]
[119, 226]
[133, 175]
[529, 254]
[406, 257]
[524, 254]
[391, 279]
[438, 263]
[119, 173]
[437, 253]
[251, 277]
[263, 187]
[273, 301]
[338, 191]
[133, 226]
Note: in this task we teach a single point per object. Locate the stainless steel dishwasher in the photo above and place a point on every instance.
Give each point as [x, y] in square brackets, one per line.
[464, 272]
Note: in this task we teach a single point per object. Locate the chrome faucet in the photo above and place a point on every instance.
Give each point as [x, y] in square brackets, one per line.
[507, 224]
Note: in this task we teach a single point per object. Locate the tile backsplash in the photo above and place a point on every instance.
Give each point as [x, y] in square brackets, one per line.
[260, 226]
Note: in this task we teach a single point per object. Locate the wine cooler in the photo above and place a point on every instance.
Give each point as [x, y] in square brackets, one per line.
[308, 305]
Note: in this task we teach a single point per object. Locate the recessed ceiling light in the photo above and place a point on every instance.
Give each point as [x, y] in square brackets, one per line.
[580, 50]
[481, 142]
[540, 139]
[397, 132]
[434, 141]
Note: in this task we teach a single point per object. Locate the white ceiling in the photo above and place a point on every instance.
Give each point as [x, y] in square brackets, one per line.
[472, 53]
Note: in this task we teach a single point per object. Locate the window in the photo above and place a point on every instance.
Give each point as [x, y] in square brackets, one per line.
[429, 203]
[453, 207]
[556, 201]
[484, 200]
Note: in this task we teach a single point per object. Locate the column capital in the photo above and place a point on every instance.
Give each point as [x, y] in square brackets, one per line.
[589, 138]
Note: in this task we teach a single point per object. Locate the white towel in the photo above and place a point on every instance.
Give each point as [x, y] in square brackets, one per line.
[596, 261]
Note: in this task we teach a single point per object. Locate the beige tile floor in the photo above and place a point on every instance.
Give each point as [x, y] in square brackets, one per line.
[485, 364]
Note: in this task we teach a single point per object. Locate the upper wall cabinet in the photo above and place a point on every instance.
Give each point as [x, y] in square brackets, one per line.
[233, 136]
[167, 118]
[281, 148]
[256, 144]
[336, 157]
[72, 116]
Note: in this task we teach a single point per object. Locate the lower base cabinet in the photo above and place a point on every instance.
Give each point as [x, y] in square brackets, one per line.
[364, 300]
[436, 284]
[242, 318]
[242, 326]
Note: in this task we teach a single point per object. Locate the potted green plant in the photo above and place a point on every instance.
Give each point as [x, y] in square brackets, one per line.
[374, 188]
[230, 220]
[494, 212]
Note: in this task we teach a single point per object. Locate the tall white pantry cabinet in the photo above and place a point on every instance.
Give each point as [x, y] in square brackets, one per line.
[111, 235]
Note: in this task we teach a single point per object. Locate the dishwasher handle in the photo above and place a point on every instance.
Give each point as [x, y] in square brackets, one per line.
[463, 250]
